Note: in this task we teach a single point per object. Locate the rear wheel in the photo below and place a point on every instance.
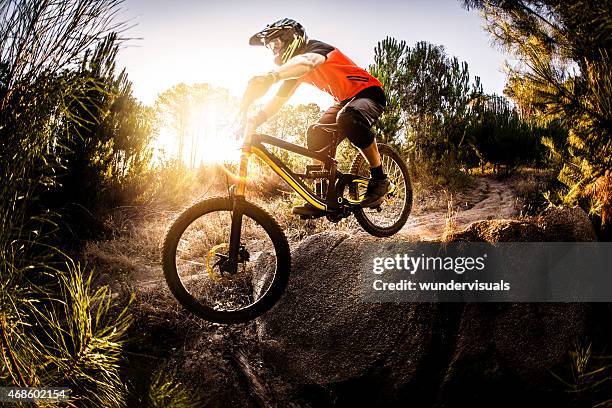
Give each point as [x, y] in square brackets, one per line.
[391, 215]
[196, 247]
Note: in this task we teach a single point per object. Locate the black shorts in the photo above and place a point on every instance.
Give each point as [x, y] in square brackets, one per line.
[354, 117]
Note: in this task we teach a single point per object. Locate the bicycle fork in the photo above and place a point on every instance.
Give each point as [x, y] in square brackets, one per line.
[237, 196]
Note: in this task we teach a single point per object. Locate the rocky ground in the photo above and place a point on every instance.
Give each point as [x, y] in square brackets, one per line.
[323, 337]
[322, 346]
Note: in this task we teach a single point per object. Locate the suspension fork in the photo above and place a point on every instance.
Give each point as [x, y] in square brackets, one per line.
[237, 196]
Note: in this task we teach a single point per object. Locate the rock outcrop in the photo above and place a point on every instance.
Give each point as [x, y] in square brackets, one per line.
[553, 225]
[335, 349]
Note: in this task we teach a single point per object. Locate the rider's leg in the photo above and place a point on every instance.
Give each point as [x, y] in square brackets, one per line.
[317, 139]
[355, 121]
[372, 155]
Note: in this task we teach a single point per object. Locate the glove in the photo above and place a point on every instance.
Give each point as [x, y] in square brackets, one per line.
[258, 86]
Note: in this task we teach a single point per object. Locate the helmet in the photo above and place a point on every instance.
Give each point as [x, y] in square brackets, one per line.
[291, 34]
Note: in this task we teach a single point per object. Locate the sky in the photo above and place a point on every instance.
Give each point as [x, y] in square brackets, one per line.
[196, 41]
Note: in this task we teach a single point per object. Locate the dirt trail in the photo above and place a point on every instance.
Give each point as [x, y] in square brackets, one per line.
[488, 199]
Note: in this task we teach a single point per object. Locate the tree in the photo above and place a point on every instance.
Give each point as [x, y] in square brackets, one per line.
[388, 56]
[174, 107]
[564, 75]
[500, 135]
[436, 91]
[428, 95]
[191, 113]
[108, 147]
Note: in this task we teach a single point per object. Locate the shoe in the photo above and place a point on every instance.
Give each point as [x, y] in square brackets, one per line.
[375, 193]
[307, 210]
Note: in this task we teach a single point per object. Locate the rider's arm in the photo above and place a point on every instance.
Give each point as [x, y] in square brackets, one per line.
[299, 65]
[296, 67]
[284, 93]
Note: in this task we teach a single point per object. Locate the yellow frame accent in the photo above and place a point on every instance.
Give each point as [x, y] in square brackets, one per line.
[304, 194]
[242, 170]
[242, 173]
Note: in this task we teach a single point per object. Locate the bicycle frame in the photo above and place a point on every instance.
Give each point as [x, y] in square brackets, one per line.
[333, 202]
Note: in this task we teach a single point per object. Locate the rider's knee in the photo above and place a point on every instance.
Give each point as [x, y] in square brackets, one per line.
[353, 125]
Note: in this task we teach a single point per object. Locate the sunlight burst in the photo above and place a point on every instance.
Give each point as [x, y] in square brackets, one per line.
[203, 134]
[212, 130]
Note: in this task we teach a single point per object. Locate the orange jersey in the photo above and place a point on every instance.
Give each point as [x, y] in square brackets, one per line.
[338, 75]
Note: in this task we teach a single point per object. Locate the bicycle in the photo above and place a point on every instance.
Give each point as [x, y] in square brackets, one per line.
[235, 274]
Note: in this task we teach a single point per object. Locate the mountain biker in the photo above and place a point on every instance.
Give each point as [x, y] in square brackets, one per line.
[359, 97]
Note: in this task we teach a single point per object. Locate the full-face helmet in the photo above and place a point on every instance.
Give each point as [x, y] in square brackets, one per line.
[291, 34]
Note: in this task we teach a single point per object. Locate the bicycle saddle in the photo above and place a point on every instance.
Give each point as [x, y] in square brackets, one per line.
[326, 127]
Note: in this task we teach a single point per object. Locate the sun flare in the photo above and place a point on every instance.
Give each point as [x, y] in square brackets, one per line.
[204, 135]
[216, 143]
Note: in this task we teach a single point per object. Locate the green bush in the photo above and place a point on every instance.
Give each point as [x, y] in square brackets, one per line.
[500, 136]
[55, 329]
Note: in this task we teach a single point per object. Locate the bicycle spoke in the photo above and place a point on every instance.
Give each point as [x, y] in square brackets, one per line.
[202, 251]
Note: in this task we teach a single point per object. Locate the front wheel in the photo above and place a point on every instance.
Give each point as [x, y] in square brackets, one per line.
[197, 246]
[391, 215]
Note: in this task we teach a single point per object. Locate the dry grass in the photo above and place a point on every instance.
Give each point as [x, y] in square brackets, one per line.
[450, 225]
[132, 255]
[602, 196]
[138, 233]
[431, 191]
[529, 186]
[130, 260]
[295, 228]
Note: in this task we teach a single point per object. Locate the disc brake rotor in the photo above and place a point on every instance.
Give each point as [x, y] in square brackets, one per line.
[213, 266]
